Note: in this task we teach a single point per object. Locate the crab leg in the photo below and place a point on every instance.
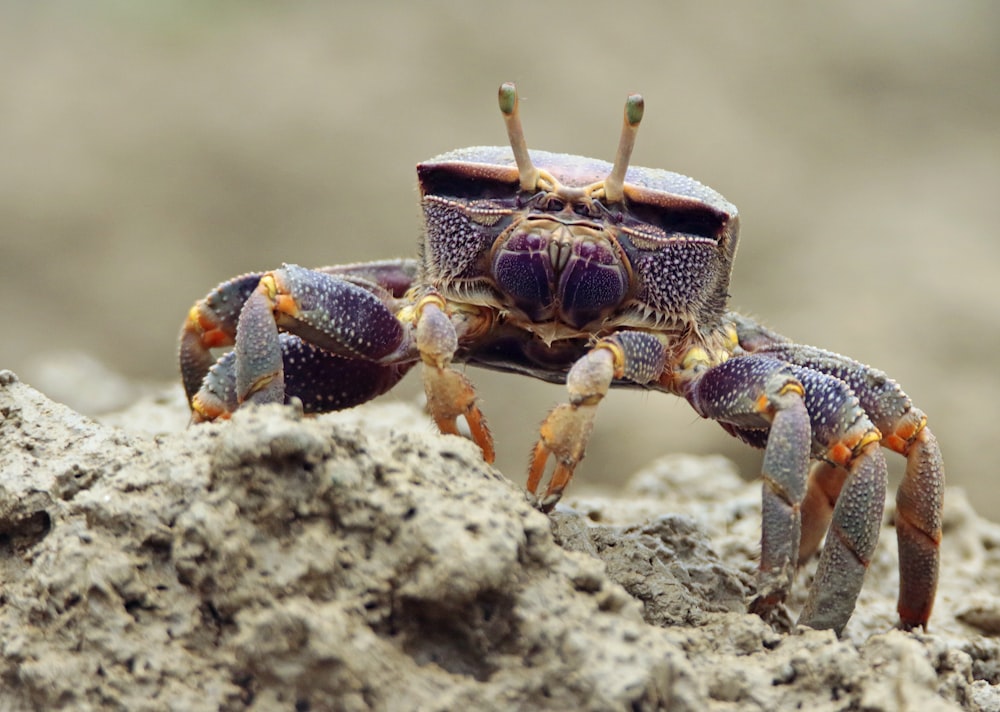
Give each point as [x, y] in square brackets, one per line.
[320, 380]
[919, 501]
[340, 316]
[825, 483]
[850, 542]
[634, 355]
[749, 393]
[786, 460]
[920, 496]
[449, 393]
[394, 276]
[212, 321]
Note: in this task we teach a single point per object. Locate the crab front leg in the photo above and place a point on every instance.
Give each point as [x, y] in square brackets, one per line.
[334, 315]
[212, 321]
[450, 395]
[637, 356]
[806, 414]
[321, 381]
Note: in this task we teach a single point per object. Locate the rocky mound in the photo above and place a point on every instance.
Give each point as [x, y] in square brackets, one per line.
[360, 561]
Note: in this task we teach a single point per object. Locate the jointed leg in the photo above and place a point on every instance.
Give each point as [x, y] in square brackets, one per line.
[920, 497]
[566, 430]
[449, 393]
[752, 392]
[822, 492]
[786, 460]
[349, 318]
[851, 540]
[919, 502]
[637, 356]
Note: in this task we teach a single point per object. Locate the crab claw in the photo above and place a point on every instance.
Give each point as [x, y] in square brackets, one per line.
[635, 356]
[449, 393]
[566, 430]
[563, 435]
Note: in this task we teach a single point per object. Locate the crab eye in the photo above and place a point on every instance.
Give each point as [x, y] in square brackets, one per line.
[600, 210]
[554, 204]
[458, 180]
[651, 226]
[535, 201]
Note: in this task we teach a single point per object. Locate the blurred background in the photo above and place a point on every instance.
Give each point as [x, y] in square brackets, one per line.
[150, 150]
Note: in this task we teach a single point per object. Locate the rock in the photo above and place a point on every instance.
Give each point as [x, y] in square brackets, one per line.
[361, 561]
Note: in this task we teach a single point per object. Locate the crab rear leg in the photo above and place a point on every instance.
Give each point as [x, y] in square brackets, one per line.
[920, 496]
[823, 490]
[851, 540]
[919, 503]
[753, 392]
[633, 355]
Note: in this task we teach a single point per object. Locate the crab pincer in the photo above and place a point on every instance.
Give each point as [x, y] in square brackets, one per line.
[449, 393]
[634, 357]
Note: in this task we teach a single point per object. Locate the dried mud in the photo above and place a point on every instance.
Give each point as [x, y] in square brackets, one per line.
[360, 561]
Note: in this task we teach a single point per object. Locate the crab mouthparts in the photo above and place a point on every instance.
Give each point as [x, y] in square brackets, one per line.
[553, 270]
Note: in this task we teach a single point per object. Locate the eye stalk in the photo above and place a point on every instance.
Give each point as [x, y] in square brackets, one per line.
[515, 133]
[533, 179]
[614, 184]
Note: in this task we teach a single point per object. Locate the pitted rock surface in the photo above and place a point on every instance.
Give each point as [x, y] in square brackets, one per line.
[360, 561]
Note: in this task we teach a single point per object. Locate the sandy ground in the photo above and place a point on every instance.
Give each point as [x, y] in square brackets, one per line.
[151, 150]
[358, 561]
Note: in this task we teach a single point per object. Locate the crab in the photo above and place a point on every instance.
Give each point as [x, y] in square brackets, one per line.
[596, 275]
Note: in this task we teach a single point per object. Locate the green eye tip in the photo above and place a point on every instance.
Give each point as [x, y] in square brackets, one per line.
[508, 98]
[634, 107]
